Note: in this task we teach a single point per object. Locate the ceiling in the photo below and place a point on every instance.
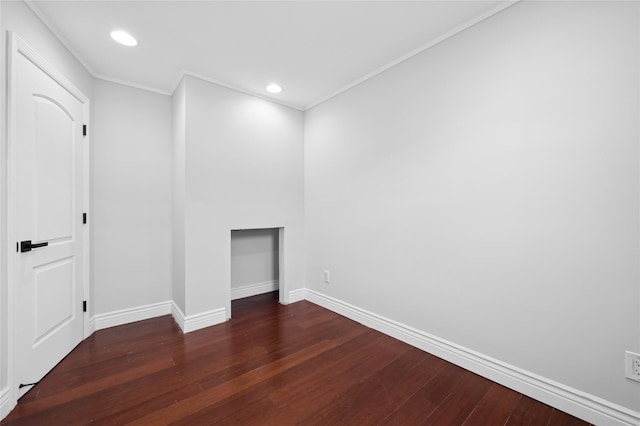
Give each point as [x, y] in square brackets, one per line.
[314, 49]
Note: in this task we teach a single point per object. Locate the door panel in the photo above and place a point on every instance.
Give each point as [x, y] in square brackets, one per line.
[55, 143]
[53, 281]
[49, 188]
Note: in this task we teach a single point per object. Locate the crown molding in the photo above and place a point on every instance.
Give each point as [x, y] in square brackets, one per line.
[460, 28]
[36, 10]
[133, 85]
[466, 25]
[235, 88]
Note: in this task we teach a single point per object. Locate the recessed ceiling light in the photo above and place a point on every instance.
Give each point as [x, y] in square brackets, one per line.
[124, 38]
[274, 88]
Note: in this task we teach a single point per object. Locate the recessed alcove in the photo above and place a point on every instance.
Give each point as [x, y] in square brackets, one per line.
[255, 262]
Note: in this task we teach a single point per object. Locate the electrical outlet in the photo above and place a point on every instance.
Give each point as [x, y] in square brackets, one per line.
[632, 366]
[327, 277]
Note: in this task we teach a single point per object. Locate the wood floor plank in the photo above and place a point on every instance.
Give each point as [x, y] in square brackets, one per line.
[495, 408]
[457, 406]
[343, 377]
[559, 418]
[210, 396]
[424, 402]
[378, 395]
[272, 364]
[42, 406]
[529, 412]
[288, 385]
[149, 405]
[337, 362]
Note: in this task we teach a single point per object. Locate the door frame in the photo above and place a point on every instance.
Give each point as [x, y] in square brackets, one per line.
[17, 46]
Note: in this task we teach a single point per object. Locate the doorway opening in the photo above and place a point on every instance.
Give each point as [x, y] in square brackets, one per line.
[256, 263]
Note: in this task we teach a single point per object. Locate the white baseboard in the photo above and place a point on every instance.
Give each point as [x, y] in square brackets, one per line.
[7, 403]
[125, 316]
[573, 401]
[254, 289]
[178, 316]
[298, 295]
[195, 322]
[91, 328]
[187, 324]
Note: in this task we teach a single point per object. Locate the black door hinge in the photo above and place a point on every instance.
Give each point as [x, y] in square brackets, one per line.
[84, 306]
[84, 130]
[84, 218]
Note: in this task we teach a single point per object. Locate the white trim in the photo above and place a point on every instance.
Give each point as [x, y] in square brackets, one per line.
[86, 228]
[253, 289]
[297, 295]
[7, 403]
[78, 57]
[468, 24]
[236, 88]
[11, 215]
[195, 322]
[36, 10]
[283, 294]
[126, 316]
[573, 401]
[133, 85]
[20, 46]
[177, 82]
[638, 176]
[91, 327]
[178, 315]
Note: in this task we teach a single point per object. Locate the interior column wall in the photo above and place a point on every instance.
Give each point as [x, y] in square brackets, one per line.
[244, 170]
[178, 196]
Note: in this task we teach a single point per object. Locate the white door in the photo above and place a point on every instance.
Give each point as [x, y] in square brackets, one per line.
[46, 154]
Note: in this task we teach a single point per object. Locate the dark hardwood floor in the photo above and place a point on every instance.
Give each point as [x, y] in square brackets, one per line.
[270, 365]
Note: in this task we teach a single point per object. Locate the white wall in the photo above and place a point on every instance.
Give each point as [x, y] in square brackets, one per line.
[17, 17]
[254, 257]
[486, 192]
[244, 169]
[132, 197]
[178, 195]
